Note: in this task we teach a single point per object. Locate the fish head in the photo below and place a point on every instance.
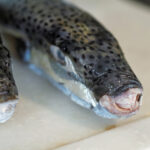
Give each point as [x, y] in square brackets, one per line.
[110, 78]
[100, 64]
[103, 68]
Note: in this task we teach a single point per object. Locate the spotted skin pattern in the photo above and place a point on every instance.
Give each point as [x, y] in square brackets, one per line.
[93, 50]
[8, 89]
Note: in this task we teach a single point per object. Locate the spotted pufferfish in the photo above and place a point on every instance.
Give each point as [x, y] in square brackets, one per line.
[73, 51]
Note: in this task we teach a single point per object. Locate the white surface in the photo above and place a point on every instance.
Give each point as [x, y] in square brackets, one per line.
[46, 119]
[134, 136]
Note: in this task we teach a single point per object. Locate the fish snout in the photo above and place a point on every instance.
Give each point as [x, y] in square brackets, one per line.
[125, 104]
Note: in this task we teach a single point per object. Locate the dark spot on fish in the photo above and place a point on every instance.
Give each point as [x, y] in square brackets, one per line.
[91, 57]
[75, 59]
[109, 71]
[83, 56]
[85, 74]
[107, 61]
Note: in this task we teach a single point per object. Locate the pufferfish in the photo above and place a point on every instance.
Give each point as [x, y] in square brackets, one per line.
[73, 51]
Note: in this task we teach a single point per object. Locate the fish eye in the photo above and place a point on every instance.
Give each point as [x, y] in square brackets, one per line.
[64, 62]
[61, 57]
[58, 55]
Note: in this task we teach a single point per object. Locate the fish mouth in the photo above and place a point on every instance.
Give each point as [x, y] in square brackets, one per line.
[125, 104]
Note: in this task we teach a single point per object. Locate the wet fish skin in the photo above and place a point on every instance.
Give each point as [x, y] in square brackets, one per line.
[95, 53]
[8, 89]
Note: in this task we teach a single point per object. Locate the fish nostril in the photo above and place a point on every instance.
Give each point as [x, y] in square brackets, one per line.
[138, 97]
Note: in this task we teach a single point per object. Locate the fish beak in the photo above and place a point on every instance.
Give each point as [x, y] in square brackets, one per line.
[126, 104]
[7, 109]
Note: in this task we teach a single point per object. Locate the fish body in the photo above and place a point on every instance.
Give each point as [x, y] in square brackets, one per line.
[8, 89]
[75, 52]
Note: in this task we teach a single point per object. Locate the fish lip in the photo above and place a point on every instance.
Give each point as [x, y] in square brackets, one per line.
[112, 106]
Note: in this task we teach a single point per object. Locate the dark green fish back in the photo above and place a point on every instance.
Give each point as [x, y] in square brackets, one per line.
[97, 57]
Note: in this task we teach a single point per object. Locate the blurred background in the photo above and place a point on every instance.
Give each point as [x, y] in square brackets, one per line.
[145, 2]
[49, 120]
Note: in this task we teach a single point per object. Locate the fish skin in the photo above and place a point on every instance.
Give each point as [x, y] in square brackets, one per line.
[8, 89]
[93, 50]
